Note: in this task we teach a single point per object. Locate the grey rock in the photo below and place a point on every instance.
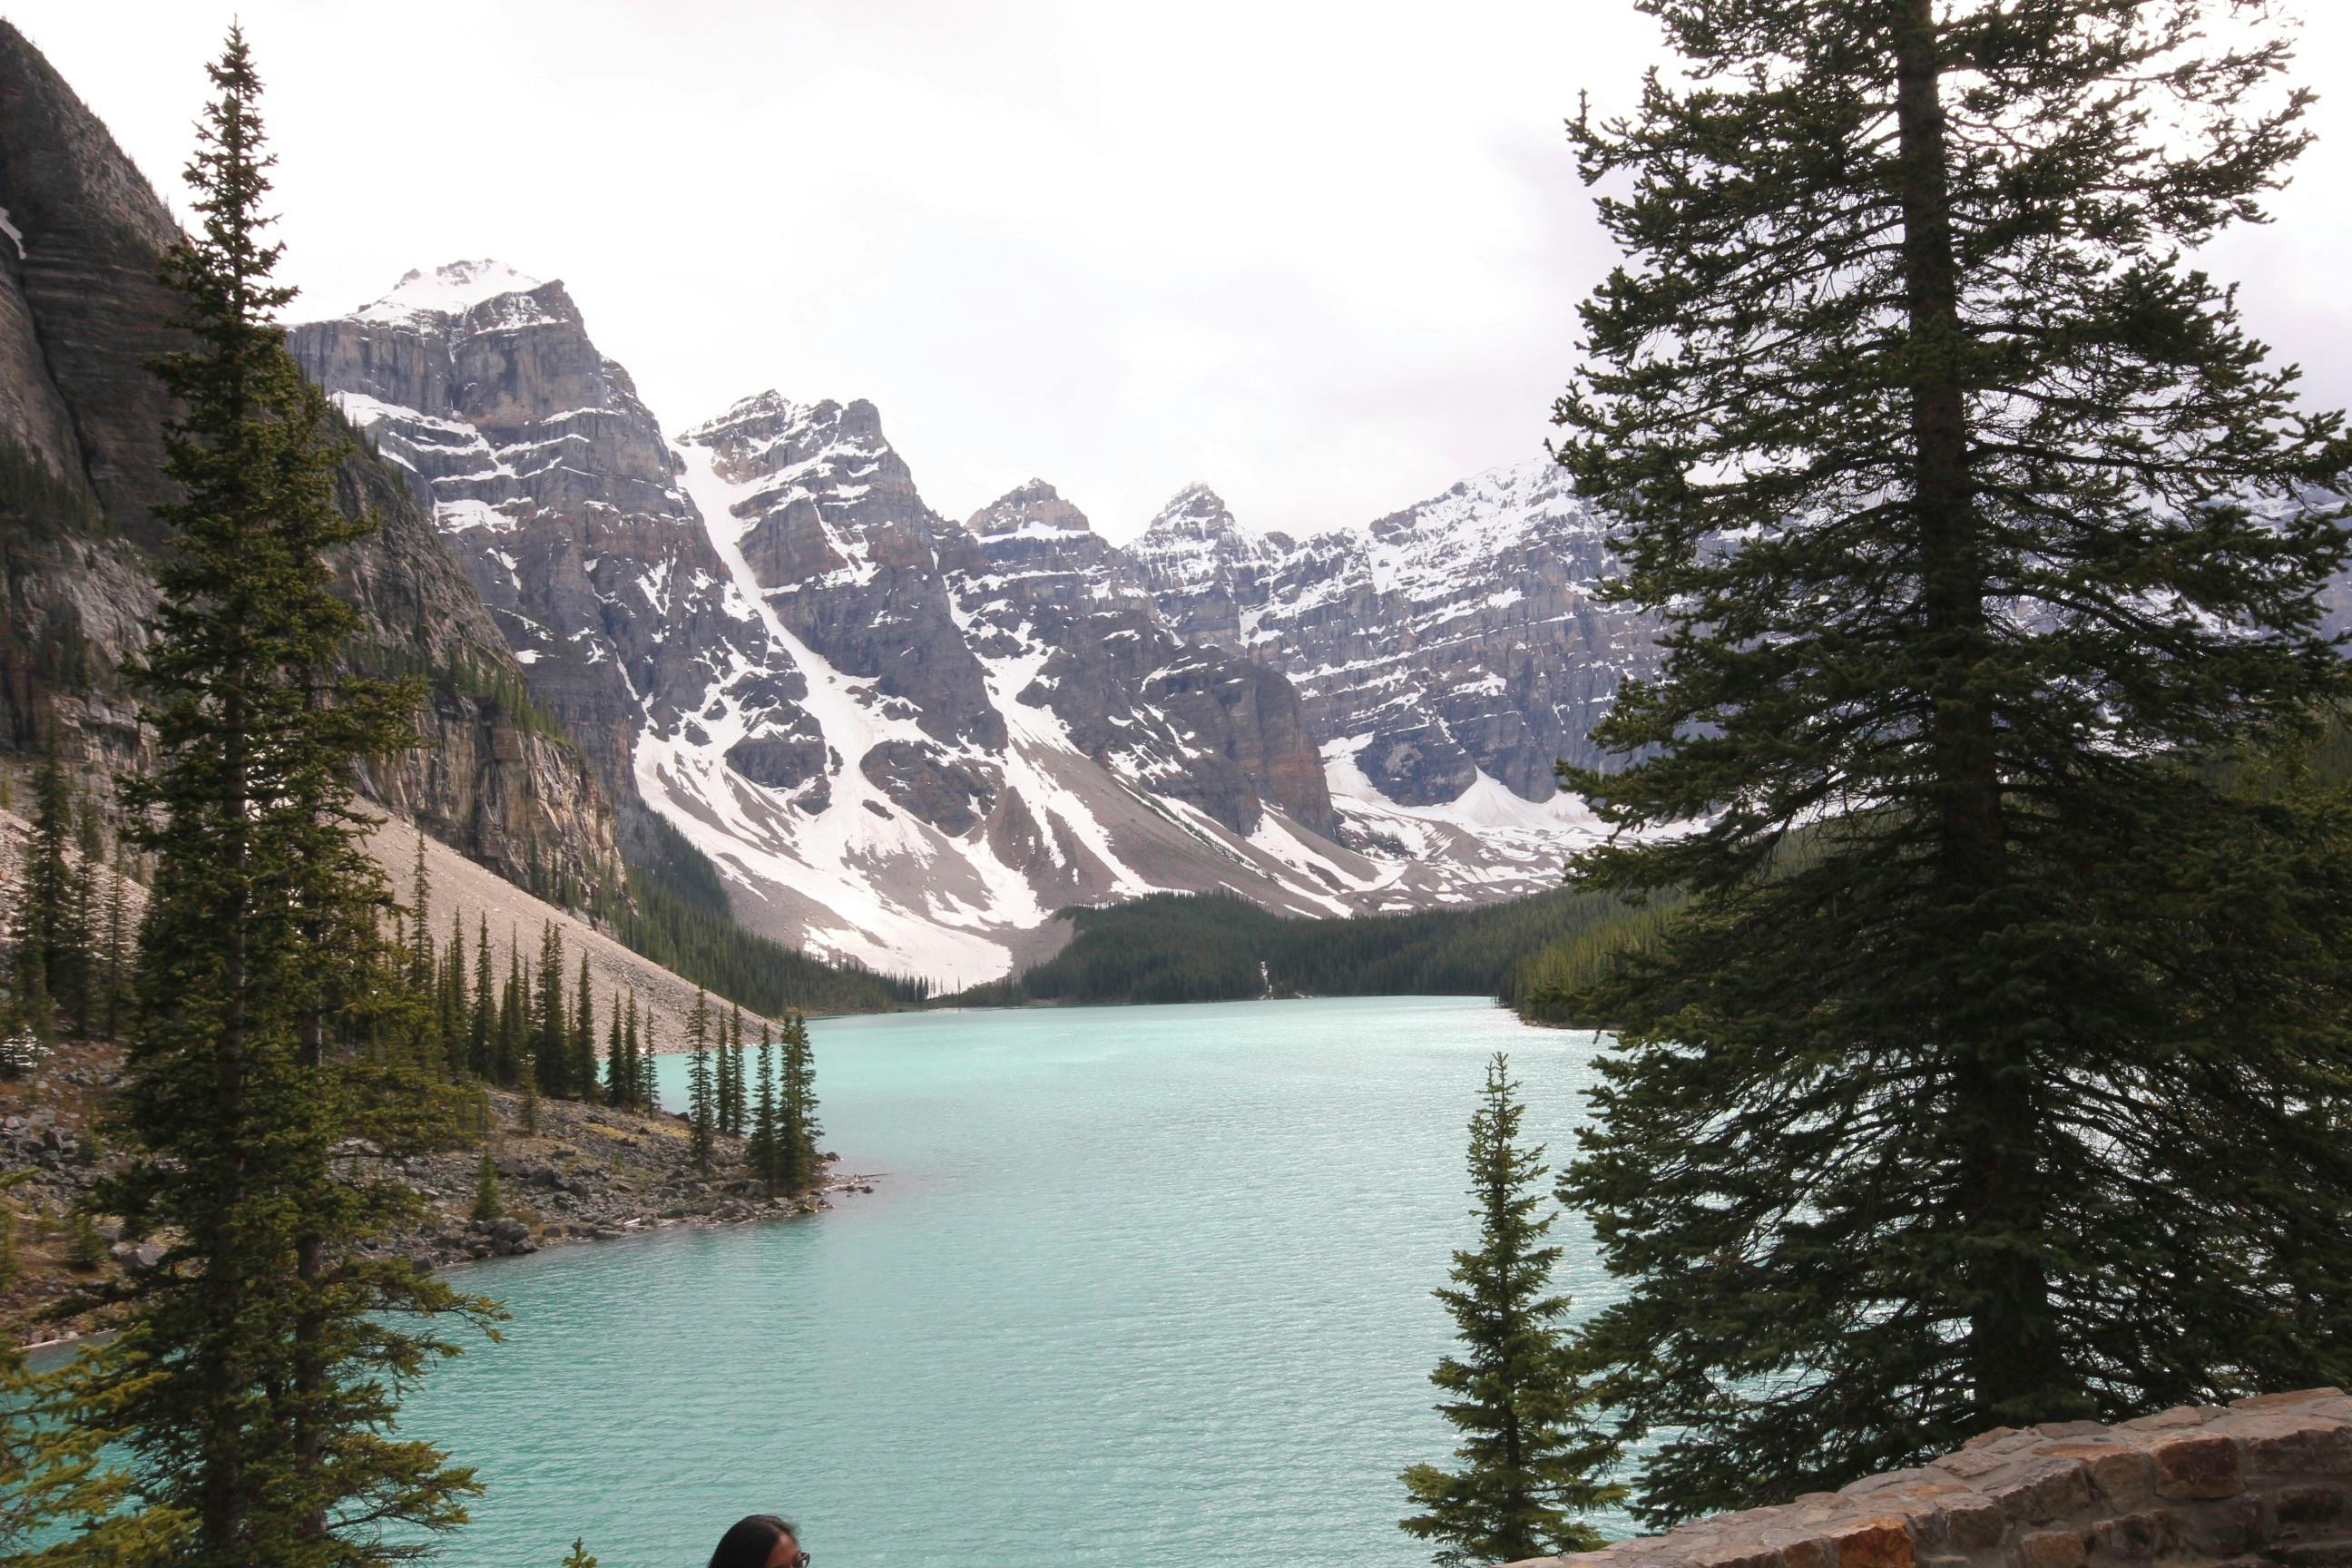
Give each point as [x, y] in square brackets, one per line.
[1461, 634]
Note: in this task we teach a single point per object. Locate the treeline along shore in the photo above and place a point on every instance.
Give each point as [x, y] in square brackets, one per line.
[1530, 953]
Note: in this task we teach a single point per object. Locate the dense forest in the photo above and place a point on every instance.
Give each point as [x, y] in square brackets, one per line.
[1216, 947]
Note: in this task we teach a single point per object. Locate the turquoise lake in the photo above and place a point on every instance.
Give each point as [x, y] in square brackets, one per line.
[1143, 1286]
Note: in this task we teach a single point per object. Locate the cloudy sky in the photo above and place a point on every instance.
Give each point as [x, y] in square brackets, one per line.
[1323, 257]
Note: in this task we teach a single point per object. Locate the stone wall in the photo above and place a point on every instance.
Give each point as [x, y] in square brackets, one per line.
[2266, 1479]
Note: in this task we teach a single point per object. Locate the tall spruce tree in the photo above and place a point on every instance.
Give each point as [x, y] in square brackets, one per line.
[89, 999]
[701, 1088]
[256, 1374]
[552, 1041]
[114, 954]
[455, 1014]
[1991, 1074]
[618, 1082]
[1533, 1464]
[767, 1147]
[802, 1164]
[420, 940]
[583, 1035]
[48, 925]
[482, 1031]
[737, 1091]
[719, 1072]
[514, 1017]
[647, 1058]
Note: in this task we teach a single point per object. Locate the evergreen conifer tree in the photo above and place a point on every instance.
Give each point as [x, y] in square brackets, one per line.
[488, 1203]
[482, 1033]
[646, 1057]
[514, 1016]
[115, 952]
[802, 1164]
[553, 1041]
[766, 1149]
[456, 1015]
[583, 1035]
[723, 1090]
[702, 1090]
[620, 1082]
[48, 925]
[1991, 1073]
[737, 1089]
[84, 1249]
[88, 916]
[255, 1377]
[1532, 1461]
[421, 974]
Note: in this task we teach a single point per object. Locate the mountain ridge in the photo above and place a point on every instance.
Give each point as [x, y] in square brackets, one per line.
[906, 740]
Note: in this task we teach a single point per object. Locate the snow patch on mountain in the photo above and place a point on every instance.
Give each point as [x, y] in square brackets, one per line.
[450, 289]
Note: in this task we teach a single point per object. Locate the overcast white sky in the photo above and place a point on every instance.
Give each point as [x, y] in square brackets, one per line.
[1323, 257]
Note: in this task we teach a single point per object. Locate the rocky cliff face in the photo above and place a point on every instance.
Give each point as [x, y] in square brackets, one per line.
[846, 554]
[81, 468]
[1458, 640]
[1193, 723]
[1204, 570]
[551, 485]
[83, 305]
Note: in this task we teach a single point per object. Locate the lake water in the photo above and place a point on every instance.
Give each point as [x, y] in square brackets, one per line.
[1143, 1286]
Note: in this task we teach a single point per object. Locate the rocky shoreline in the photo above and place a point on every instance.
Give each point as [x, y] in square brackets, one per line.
[587, 1173]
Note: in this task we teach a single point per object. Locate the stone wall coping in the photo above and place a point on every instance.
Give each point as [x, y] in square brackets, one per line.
[2199, 1483]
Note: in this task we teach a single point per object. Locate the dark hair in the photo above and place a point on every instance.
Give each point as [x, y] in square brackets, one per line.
[749, 1540]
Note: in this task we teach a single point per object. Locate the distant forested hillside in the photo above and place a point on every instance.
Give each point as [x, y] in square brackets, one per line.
[1215, 947]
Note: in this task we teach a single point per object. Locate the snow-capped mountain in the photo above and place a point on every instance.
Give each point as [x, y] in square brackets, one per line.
[1458, 641]
[553, 487]
[1204, 570]
[908, 741]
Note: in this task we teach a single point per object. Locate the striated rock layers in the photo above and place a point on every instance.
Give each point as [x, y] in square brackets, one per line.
[1458, 637]
[552, 486]
[81, 468]
[1196, 723]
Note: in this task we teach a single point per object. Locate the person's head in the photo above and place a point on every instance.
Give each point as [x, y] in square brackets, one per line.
[759, 1541]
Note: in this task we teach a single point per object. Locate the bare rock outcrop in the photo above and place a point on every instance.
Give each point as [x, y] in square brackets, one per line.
[2266, 1479]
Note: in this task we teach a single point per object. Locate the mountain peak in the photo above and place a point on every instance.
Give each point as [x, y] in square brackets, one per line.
[769, 419]
[1196, 511]
[1033, 508]
[450, 289]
